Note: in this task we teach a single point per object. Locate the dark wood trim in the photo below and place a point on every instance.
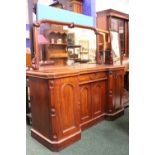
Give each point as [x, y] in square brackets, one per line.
[113, 116]
[126, 27]
[92, 122]
[55, 145]
[104, 116]
[72, 25]
[102, 79]
[115, 13]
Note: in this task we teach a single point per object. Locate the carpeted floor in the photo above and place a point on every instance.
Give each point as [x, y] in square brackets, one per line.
[104, 138]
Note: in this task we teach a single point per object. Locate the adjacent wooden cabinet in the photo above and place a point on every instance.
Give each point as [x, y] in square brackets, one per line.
[112, 20]
[116, 22]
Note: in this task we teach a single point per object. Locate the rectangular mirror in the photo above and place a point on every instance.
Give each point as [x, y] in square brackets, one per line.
[65, 45]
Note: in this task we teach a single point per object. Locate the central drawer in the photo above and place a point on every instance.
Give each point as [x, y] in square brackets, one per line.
[92, 76]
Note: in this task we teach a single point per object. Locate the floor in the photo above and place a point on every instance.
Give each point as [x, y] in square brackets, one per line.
[104, 138]
[125, 97]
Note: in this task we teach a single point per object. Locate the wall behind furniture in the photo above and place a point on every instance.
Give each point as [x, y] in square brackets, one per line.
[89, 9]
[52, 13]
[47, 2]
[27, 27]
[120, 5]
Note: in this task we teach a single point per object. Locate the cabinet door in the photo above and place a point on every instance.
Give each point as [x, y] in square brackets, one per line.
[98, 91]
[67, 99]
[85, 103]
[118, 89]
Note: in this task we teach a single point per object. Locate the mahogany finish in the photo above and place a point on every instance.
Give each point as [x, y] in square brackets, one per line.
[85, 103]
[115, 93]
[102, 18]
[92, 97]
[104, 21]
[98, 98]
[112, 20]
[55, 115]
[66, 99]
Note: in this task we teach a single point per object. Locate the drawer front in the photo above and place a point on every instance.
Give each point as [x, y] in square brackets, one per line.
[84, 77]
[92, 76]
[98, 75]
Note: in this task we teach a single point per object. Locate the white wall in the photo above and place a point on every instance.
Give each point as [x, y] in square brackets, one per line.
[47, 2]
[27, 15]
[119, 5]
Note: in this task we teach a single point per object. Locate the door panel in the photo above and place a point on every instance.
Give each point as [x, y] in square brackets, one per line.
[85, 103]
[98, 91]
[68, 105]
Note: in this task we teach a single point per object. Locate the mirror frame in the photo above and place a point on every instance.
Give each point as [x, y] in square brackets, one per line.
[36, 25]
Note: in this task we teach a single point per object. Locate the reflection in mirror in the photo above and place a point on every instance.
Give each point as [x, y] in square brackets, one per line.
[115, 46]
[66, 46]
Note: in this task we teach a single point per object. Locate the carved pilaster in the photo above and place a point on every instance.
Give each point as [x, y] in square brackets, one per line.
[110, 92]
[53, 117]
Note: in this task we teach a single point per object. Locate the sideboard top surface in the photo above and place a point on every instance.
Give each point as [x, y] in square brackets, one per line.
[48, 72]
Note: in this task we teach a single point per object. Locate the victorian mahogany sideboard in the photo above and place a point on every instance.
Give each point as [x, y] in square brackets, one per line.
[68, 99]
